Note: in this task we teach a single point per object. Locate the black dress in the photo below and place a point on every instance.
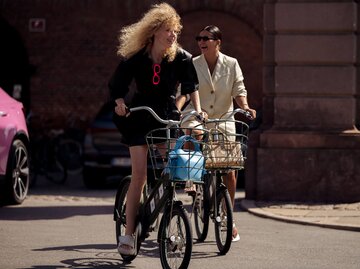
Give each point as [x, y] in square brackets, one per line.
[156, 87]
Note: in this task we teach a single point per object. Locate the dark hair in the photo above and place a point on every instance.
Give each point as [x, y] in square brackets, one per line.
[214, 30]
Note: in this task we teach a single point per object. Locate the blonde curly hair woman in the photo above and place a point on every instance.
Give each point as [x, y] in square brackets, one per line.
[154, 60]
[141, 34]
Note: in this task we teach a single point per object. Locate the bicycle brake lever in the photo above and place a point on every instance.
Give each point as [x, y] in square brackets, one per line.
[200, 118]
[127, 110]
[248, 115]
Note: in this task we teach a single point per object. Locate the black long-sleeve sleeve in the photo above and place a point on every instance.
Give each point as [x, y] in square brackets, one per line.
[120, 81]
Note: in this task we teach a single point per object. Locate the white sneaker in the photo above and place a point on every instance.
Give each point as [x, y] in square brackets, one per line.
[237, 236]
[127, 245]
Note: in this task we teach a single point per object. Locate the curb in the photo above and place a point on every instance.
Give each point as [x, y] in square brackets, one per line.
[251, 207]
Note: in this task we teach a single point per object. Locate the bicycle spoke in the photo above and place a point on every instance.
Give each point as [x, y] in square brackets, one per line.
[176, 242]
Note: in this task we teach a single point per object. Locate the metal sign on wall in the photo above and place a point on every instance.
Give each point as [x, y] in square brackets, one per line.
[37, 25]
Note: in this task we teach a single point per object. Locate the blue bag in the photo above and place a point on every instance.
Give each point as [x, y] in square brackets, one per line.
[186, 164]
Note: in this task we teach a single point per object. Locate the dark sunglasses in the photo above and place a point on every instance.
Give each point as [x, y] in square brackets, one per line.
[204, 38]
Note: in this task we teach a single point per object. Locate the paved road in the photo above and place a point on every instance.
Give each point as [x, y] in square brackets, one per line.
[71, 227]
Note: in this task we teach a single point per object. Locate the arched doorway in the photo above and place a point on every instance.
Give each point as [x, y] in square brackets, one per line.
[14, 65]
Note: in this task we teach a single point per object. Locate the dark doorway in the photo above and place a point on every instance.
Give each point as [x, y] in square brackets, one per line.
[15, 70]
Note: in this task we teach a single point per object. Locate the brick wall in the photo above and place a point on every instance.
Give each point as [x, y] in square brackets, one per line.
[76, 53]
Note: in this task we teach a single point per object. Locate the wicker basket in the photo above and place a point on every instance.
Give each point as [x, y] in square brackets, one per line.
[224, 154]
[226, 150]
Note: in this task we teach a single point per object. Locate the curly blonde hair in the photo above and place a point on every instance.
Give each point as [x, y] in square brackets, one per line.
[136, 36]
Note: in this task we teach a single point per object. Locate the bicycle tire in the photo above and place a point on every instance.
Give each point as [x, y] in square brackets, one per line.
[42, 162]
[120, 216]
[69, 155]
[174, 243]
[223, 221]
[201, 212]
[52, 169]
[55, 173]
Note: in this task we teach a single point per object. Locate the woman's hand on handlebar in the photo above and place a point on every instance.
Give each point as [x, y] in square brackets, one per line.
[203, 115]
[252, 113]
[121, 109]
[199, 116]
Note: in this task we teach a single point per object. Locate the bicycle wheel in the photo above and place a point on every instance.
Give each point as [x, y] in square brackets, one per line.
[223, 221]
[175, 238]
[55, 174]
[54, 171]
[201, 212]
[69, 155]
[120, 216]
[51, 168]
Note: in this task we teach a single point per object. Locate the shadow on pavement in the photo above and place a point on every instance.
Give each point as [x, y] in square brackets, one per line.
[106, 256]
[52, 212]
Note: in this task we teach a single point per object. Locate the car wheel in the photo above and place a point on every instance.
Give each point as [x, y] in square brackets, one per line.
[17, 173]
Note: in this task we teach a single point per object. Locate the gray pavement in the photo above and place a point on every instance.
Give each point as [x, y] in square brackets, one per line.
[336, 216]
[72, 227]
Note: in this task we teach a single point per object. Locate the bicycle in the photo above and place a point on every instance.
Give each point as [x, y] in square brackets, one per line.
[174, 231]
[54, 153]
[226, 151]
[70, 150]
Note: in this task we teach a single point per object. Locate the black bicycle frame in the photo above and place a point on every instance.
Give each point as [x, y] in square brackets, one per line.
[218, 186]
[159, 196]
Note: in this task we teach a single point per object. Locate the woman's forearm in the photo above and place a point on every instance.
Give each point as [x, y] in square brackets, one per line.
[195, 99]
[180, 101]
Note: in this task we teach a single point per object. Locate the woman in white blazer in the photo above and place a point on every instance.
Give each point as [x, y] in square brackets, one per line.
[220, 82]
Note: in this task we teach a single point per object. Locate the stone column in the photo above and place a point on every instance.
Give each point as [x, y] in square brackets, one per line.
[308, 148]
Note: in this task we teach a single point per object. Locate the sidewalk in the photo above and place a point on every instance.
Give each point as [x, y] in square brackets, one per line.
[336, 216]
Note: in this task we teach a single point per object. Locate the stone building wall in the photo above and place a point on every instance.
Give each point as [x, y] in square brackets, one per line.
[309, 147]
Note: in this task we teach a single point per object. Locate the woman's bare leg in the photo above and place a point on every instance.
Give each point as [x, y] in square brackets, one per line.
[138, 179]
[230, 182]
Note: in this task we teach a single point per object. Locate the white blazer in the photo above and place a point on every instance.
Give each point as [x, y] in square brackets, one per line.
[217, 91]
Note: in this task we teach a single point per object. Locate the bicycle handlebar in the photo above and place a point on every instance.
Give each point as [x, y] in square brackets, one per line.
[192, 113]
[242, 111]
[153, 113]
[229, 116]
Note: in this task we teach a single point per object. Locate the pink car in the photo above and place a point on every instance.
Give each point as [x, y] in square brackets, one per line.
[14, 154]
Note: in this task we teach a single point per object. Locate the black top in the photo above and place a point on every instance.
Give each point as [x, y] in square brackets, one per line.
[158, 96]
[156, 87]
